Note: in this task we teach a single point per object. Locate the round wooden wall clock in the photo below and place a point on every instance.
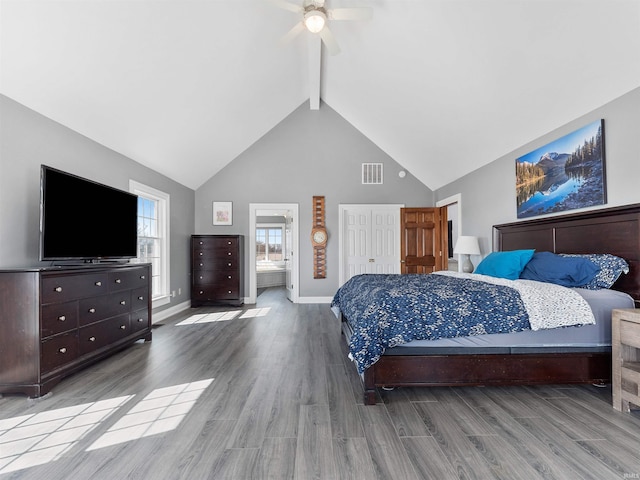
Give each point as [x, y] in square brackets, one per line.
[319, 239]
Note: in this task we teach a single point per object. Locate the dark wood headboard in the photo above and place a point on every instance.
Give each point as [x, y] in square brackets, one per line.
[609, 230]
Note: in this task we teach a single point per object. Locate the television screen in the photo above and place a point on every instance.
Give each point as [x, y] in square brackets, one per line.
[85, 220]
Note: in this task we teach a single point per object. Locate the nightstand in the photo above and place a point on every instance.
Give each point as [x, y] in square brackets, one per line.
[625, 351]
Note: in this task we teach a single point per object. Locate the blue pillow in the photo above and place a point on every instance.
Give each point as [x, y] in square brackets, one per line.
[611, 267]
[566, 271]
[505, 264]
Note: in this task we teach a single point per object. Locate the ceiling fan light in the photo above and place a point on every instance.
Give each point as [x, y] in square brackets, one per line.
[315, 20]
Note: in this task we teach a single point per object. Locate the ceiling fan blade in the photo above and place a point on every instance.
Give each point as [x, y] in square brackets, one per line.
[292, 7]
[357, 13]
[329, 41]
[291, 34]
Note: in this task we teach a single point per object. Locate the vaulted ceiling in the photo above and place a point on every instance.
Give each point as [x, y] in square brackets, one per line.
[442, 86]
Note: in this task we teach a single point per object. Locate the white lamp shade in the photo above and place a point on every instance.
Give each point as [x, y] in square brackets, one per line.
[467, 245]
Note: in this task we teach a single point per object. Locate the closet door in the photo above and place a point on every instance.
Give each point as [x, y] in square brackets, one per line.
[371, 240]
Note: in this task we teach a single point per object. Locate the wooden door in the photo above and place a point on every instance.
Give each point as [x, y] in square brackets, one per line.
[423, 240]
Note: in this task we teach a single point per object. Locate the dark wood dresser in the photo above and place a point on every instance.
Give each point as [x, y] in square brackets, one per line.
[217, 270]
[57, 320]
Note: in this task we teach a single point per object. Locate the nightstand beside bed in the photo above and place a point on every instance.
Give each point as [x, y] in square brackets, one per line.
[625, 351]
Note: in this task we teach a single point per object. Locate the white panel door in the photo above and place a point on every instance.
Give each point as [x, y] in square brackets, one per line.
[358, 242]
[385, 245]
[371, 240]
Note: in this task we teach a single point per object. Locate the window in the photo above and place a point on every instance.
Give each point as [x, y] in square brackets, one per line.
[153, 238]
[269, 252]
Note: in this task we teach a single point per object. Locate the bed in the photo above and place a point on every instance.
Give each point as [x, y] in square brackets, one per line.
[574, 354]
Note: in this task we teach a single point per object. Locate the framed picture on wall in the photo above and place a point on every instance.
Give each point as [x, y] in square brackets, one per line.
[565, 174]
[222, 213]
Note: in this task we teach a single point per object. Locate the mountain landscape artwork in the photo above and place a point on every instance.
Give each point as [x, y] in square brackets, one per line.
[566, 174]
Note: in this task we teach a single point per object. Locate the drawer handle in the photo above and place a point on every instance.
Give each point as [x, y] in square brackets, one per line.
[142, 277]
[122, 327]
[201, 254]
[140, 297]
[92, 310]
[229, 253]
[92, 339]
[201, 292]
[140, 320]
[202, 264]
[118, 280]
[200, 277]
[229, 264]
[123, 302]
[229, 291]
[62, 318]
[62, 350]
[201, 242]
[98, 284]
[229, 276]
[58, 289]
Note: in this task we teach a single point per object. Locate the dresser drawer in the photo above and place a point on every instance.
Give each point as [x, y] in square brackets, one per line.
[62, 288]
[139, 298]
[139, 320]
[59, 350]
[215, 277]
[630, 333]
[214, 292]
[98, 308]
[127, 278]
[203, 257]
[215, 242]
[58, 318]
[225, 264]
[101, 334]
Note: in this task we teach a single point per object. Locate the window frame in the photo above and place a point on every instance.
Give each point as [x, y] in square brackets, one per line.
[163, 199]
[273, 226]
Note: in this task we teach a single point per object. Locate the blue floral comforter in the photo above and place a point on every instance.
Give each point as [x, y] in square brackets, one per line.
[388, 310]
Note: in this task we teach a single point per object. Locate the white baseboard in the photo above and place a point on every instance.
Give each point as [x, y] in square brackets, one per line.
[166, 313]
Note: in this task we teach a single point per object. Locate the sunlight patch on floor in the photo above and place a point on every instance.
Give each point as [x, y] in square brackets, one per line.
[256, 312]
[209, 317]
[224, 316]
[40, 438]
[159, 412]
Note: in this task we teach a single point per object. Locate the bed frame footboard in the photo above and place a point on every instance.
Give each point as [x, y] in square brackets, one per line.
[485, 369]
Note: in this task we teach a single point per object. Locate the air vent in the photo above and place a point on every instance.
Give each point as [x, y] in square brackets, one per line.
[372, 174]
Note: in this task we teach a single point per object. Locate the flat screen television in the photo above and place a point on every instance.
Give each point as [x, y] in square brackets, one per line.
[84, 220]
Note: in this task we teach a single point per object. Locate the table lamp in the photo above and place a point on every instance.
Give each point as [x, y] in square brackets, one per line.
[467, 245]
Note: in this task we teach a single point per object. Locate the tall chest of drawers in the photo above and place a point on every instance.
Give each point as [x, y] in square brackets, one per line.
[217, 270]
[58, 320]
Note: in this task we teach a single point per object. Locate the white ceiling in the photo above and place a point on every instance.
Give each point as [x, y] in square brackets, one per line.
[442, 86]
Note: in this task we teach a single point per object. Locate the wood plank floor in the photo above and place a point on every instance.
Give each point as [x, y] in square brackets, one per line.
[266, 392]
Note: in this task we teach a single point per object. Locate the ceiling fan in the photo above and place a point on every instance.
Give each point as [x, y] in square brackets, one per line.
[314, 18]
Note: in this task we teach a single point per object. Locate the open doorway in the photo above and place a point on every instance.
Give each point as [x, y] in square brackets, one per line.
[273, 248]
[454, 226]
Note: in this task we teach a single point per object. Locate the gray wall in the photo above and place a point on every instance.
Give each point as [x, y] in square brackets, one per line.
[488, 194]
[27, 140]
[311, 152]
